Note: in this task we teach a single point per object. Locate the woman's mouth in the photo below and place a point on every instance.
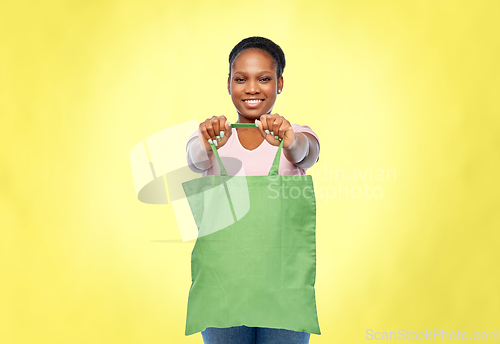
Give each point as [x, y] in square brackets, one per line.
[253, 103]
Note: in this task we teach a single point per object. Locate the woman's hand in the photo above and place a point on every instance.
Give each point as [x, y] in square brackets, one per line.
[216, 129]
[274, 127]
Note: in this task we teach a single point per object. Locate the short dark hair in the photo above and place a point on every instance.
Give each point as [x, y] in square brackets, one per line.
[263, 44]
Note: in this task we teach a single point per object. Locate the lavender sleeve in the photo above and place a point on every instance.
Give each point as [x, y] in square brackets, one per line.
[198, 159]
[304, 152]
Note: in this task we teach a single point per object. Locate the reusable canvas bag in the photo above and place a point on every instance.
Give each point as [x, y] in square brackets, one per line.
[254, 261]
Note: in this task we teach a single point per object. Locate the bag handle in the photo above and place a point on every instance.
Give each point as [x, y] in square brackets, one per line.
[276, 163]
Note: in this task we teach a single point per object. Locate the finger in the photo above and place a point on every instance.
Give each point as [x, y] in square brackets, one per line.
[203, 135]
[228, 129]
[210, 131]
[270, 124]
[215, 126]
[285, 126]
[276, 125]
[262, 120]
[222, 127]
[204, 131]
[267, 122]
[260, 127]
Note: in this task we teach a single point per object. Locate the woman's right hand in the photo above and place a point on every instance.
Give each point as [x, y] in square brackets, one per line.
[217, 129]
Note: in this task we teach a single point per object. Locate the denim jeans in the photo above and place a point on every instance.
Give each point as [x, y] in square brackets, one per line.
[253, 335]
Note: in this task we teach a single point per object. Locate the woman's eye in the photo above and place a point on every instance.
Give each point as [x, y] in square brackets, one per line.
[241, 79]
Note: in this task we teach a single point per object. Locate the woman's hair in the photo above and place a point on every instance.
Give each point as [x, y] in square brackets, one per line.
[263, 44]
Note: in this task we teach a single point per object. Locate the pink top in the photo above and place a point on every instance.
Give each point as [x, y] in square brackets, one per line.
[255, 162]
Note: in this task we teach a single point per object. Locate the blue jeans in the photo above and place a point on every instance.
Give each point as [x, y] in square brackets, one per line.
[253, 335]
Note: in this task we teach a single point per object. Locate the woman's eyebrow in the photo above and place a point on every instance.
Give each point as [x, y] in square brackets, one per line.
[264, 71]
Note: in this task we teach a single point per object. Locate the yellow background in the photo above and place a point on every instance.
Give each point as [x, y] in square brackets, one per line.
[406, 85]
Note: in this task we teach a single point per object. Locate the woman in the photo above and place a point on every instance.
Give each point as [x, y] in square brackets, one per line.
[255, 79]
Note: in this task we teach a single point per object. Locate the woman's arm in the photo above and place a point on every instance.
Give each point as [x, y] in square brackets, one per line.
[304, 152]
[199, 160]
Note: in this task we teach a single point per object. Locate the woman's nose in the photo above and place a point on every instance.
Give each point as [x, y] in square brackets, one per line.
[252, 87]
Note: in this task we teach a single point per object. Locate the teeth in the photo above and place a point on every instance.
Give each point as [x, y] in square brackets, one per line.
[253, 101]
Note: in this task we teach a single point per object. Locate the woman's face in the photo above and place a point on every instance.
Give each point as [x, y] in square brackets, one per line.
[253, 76]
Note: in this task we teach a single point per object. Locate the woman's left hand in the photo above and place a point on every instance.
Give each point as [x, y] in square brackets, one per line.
[274, 127]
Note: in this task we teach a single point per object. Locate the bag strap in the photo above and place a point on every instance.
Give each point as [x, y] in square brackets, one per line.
[276, 163]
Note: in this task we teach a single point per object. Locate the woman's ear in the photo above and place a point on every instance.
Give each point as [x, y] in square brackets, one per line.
[228, 85]
[280, 83]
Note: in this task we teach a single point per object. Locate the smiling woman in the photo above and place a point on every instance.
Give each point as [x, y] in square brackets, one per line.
[282, 307]
[256, 66]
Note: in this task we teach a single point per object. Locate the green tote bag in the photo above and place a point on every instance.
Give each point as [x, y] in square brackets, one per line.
[254, 260]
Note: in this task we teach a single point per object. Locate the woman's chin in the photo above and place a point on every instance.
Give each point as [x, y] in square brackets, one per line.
[253, 114]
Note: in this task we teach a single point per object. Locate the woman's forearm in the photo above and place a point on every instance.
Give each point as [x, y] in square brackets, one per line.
[304, 152]
[198, 158]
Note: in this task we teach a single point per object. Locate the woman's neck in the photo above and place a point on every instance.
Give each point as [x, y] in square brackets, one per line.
[242, 119]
